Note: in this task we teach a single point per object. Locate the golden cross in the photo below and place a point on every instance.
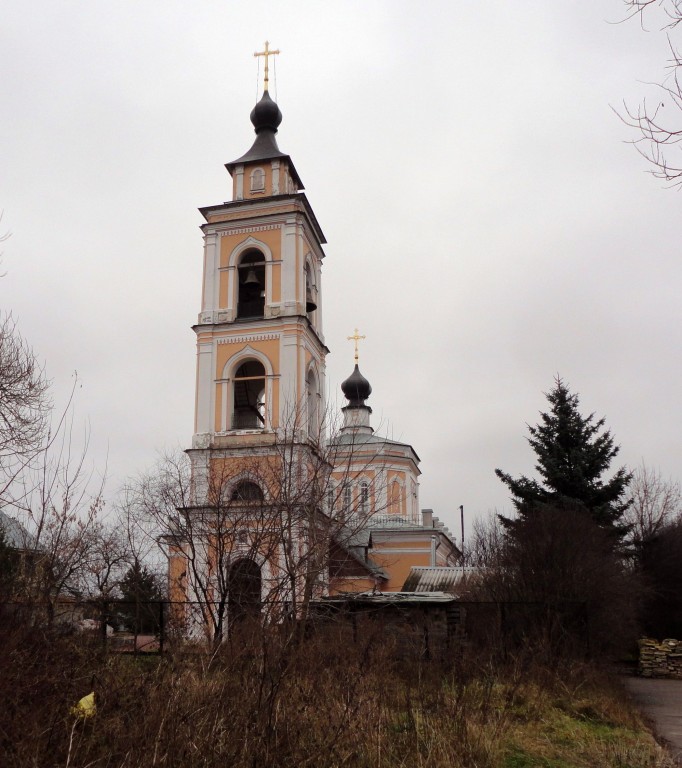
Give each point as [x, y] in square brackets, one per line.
[267, 53]
[356, 338]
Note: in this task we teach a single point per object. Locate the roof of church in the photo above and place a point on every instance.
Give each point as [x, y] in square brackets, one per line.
[364, 439]
[356, 388]
[266, 117]
[15, 534]
[394, 521]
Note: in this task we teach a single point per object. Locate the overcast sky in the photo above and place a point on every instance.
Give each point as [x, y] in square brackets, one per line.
[488, 227]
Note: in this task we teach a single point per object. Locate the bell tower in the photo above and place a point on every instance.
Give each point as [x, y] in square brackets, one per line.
[260, 346]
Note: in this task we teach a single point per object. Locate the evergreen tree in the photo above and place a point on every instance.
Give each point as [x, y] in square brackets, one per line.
[573, 454]
[140, 600]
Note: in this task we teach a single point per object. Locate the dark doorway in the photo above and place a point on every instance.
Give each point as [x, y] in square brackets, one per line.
[245, 588]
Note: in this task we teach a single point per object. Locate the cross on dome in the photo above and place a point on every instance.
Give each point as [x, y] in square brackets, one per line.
[266, 53]
[356, 338]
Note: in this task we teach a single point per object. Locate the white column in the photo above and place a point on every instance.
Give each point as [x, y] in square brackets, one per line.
[211, 263]
[288, 270]
[205, 389]
[288, 390]
[239, 177]
[275, 177]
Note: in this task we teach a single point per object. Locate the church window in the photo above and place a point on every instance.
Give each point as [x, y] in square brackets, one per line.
[310, 291]
[257, 180]
[246, 490]
[249, 396]
[251, 276]
[396, 498]
[364, 497]
[312, 398]
[347, 499]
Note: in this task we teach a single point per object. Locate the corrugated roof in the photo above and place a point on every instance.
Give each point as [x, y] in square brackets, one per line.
[398, 598]
[425, 578]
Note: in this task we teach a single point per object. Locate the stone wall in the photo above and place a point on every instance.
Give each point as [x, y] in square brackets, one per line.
[662, 659]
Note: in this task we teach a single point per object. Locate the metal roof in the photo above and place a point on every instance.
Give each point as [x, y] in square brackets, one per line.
[435, 579]
[384, 598]
[15, 534]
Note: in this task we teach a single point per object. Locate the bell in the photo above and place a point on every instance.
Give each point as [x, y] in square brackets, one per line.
[251, 278]
[310, 305]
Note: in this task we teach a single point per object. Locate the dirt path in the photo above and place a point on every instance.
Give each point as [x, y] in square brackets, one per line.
[661, 702]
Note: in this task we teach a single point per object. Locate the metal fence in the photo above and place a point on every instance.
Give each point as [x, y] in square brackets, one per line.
[151, 627]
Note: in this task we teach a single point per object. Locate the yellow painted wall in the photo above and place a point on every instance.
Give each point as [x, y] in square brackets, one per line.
[267, 347]
[272, 238]
[351, 585]
[398, 565]
[267, 191]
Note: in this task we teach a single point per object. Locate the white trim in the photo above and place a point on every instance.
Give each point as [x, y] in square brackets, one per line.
[275, 177]
[288, 271]
[252, 337]
[205, 389]
[255, 170]
[246, 230]
[233, 261]
[246, 474]
[239, 186]
[211, 289]
[227, 381]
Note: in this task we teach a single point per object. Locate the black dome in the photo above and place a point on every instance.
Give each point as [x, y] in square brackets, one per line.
[266, 115]
[356, 388]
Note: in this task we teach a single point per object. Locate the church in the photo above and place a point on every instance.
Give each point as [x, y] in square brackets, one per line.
[285, 508]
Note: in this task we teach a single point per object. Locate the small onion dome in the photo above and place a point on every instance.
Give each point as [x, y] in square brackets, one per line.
[356, 388]
[266, 115]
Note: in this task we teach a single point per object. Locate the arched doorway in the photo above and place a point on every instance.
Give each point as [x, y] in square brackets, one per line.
[244, 600]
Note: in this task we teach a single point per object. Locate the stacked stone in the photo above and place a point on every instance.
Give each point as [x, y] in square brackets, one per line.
[662, 659]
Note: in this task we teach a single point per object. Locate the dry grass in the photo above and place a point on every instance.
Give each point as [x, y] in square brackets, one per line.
[271, 703]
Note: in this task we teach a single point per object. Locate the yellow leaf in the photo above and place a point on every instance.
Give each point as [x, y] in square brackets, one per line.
[85, 707]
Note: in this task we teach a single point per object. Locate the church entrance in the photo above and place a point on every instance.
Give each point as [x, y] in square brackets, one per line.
[244, 599]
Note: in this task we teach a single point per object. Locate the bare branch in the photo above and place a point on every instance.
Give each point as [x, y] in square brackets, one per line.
[660, 127]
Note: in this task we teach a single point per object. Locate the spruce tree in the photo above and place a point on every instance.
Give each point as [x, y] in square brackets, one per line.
[573, 454]
[140, 597]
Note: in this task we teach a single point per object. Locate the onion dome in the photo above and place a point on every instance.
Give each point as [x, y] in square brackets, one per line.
[356, 388]
[266, 115]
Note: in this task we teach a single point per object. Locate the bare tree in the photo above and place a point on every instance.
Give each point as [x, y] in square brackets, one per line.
[24, 401]
[59, 502]
[654, 503]
[252, 534]
[660, 125]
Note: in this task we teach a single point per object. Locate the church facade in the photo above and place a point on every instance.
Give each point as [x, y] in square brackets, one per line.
[281, 510]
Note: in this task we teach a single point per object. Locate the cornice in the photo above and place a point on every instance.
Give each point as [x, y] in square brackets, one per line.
[246, 230]
[251, 337]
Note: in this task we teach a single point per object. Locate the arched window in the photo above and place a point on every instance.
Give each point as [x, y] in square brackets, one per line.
[312, 405]
[244, 598]
[257, 180]
[246, 490]
[364, 497]
[395, 506]
[249, 396]
[310, 290]
[347, 500]
[251, 271]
